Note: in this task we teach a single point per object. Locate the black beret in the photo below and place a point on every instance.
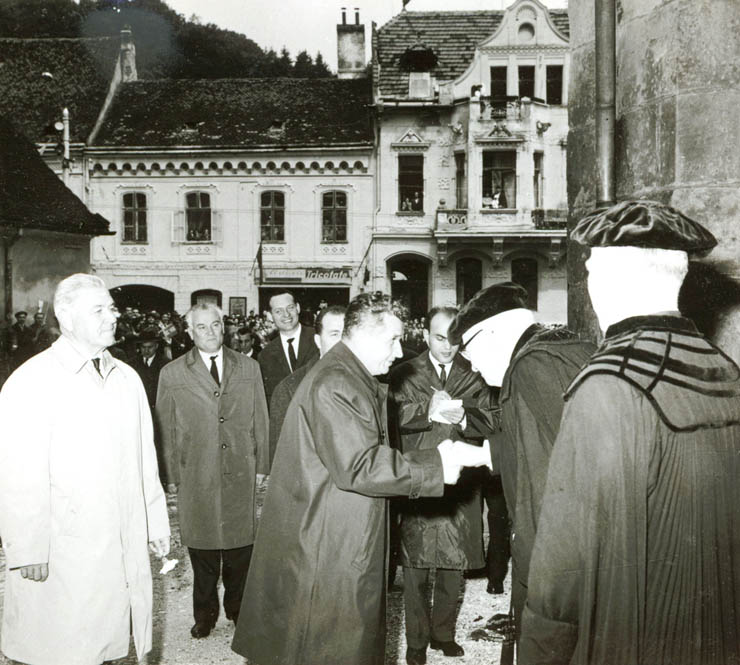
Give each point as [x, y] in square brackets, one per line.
[488, 302]
[646, 224]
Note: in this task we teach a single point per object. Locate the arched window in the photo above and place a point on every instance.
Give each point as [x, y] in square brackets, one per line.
[272, 216]
[524, 272]
[334, 217]
[198, 215]
[134, 217]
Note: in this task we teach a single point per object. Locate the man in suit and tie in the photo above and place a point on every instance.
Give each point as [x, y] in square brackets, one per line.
[148, 363]
[437, 396]
[213, 422]
[293, 347]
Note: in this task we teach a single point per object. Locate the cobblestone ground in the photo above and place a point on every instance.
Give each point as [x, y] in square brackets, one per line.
[172, 644]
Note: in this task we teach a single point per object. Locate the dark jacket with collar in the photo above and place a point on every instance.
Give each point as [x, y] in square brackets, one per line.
[149, 374]
[215, 440]
[320, 561]
[274, 363]
[443, 532]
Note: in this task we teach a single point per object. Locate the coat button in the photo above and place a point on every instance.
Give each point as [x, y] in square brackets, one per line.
[221, 419]
[224, 446]
[216, 393]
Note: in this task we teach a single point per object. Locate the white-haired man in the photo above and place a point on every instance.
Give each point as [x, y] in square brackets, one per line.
[80, 496]
[637, 554]
[316, 589]
[212, 417]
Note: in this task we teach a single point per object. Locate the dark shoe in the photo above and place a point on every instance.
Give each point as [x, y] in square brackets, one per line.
[201, 629]
[416, 656]
[451, 648]
[233, 617]
[495, 588]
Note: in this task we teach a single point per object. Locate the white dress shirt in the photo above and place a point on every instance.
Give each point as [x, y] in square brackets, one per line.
[296, 336]
[219, 361]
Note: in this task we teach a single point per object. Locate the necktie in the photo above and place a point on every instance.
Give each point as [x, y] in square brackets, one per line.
[291, 355]
[442, 374]
[96, 364]
[214, 370]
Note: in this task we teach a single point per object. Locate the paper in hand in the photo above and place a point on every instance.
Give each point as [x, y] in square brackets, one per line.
[445, 405]
[167, 565]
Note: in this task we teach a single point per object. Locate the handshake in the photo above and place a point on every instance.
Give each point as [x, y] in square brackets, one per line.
[456, 455]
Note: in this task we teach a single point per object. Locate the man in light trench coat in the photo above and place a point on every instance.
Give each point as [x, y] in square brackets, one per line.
[80, 495]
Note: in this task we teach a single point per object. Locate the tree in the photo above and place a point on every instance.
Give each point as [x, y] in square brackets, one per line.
[320, 68]
[285, 63]
[303, 67]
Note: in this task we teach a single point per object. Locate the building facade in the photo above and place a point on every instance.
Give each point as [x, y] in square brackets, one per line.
[226, 190]
[472, 119]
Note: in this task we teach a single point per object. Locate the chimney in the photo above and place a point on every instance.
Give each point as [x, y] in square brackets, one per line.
[351, 47]
[128, 56]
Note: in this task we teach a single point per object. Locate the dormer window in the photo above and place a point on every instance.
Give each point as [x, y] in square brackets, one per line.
[420, 85]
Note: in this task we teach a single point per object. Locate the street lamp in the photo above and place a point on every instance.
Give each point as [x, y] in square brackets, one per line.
[63, 127]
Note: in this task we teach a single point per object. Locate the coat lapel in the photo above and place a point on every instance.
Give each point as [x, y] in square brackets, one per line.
[229, 365]
[198, 368]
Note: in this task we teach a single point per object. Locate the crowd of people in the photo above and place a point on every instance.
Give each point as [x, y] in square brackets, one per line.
[610, 472]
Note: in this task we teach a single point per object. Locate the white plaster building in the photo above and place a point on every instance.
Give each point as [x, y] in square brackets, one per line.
[472, 117]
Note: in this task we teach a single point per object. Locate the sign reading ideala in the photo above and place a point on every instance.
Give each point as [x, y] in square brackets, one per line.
[309, 275]
[329, 275]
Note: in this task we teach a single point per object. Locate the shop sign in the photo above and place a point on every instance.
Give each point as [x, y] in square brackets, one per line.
[309, 275]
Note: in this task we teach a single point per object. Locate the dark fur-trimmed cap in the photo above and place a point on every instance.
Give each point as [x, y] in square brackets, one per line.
[646, 224]
[488, 302]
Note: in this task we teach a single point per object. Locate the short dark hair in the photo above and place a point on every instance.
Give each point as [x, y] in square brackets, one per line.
[449, 311]
[282, 292]
[371, 307]
[336, 310]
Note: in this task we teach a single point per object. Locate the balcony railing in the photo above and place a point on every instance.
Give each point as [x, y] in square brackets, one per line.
[549, 219]
[452, 219]
[500, 108]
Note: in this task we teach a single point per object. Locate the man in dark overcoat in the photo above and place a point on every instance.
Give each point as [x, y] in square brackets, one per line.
[442, 533]
[637, 554]
[329, 325]
[149, 362]
[533, 364]
[213, 422]
[291, 348]
[316, 588]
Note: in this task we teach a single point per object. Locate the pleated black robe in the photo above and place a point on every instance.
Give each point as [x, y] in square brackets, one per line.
[637, 555]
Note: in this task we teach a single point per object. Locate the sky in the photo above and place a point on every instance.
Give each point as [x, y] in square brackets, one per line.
[311, 24]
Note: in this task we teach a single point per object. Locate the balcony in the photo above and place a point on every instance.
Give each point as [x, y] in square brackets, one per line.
[548, 220]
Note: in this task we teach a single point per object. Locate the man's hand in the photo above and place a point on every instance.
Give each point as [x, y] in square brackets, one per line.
[450, 466]
[171, 488]
[262, 479]
[160, 546]
[38, 572]
[437, 397]
[455, 416]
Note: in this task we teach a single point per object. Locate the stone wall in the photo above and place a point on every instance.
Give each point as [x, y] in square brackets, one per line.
[677, 137]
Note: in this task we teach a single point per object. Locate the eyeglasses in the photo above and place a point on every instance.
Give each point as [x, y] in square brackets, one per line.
[464, 350]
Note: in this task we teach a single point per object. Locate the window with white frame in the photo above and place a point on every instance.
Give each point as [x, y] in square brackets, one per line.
[334, 217]
[198, 217]
[272, 216]
[499, 179]
[411, 183]
[134, 217]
